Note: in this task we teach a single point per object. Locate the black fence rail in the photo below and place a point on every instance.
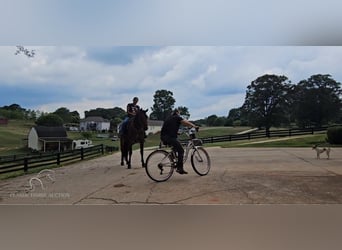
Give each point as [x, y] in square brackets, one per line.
[26, 162]
[263, 134]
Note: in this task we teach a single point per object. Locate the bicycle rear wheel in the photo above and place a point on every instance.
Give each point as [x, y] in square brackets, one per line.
[159, 165]
[200, 161]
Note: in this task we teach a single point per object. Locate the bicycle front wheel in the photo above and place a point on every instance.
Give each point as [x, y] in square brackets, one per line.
[159, 165]
[200, 161]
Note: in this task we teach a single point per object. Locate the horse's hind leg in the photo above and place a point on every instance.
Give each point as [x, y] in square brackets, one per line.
[123, 151]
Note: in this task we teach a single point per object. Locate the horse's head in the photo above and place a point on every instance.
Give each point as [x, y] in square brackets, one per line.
[141, 118]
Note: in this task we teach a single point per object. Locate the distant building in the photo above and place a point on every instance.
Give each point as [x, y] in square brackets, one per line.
[94, 123]
[154, 126]
[42, 138]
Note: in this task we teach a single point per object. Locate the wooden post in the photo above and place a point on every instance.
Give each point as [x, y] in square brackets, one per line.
[58, 158]
[25, 164]
[82, 154]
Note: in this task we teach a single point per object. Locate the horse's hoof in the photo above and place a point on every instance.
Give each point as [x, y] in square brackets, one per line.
[129, 167]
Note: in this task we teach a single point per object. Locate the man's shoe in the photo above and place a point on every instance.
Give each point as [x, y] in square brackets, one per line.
[181, 171]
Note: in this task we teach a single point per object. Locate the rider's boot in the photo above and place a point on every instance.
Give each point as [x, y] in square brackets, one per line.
[181, 170]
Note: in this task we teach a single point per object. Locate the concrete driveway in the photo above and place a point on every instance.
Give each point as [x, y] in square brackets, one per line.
[237, 176]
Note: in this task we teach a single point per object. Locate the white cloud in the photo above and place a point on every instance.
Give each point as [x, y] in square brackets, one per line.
[208, 80]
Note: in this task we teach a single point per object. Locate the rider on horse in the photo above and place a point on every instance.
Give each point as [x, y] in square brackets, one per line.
[132, 109]
[132, 130]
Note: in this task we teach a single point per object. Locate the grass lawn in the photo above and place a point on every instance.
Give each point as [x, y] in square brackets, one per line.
[13, 135]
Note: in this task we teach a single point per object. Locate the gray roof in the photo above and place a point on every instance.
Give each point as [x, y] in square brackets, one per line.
[94, 119]
[51, 132]
[155, 123]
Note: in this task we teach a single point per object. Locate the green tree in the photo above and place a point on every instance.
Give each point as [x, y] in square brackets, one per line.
[108, 114]
[220, 121]
[211, 120]
[75, 117]
[63, 113]
[317, 101]
[236, 117]
[184, 112]
[267, 100]
[67, 116]
[50, 120]
[163, 104]
[13, 111]
[30, 115]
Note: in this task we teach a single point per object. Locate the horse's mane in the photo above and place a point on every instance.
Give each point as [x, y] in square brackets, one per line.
[138, 122]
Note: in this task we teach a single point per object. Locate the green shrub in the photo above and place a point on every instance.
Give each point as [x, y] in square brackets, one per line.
[87, 135]
[334, 135]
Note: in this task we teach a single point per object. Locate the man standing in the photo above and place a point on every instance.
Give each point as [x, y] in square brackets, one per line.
[169, 136]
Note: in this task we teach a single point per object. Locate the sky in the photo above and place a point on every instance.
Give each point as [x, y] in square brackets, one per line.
[92, 54]
[206, 79]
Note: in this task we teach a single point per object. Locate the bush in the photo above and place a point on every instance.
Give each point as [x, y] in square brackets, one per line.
[87, 135]
[334, 135]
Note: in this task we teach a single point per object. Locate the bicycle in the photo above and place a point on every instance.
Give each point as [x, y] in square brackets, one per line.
[160, 164]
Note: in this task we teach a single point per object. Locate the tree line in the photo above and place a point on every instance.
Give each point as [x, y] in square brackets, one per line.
[164, 103]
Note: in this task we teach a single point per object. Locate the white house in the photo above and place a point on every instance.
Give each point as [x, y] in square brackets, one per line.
[42, 138]
[94, 123]
[154, 126]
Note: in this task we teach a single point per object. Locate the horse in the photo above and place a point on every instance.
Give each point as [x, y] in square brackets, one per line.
[135, 133]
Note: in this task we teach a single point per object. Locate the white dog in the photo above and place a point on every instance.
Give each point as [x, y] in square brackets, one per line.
[319, 151]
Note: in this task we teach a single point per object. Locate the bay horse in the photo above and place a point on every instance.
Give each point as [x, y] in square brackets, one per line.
[135, 133]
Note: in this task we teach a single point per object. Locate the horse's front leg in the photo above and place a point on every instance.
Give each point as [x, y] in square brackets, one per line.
[122, 159]
[129, 157]
[142, 154]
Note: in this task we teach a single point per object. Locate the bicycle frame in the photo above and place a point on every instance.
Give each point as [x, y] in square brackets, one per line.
[189, 145]
[160, 164]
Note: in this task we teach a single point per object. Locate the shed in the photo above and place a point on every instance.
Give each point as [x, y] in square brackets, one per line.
[42, 138]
